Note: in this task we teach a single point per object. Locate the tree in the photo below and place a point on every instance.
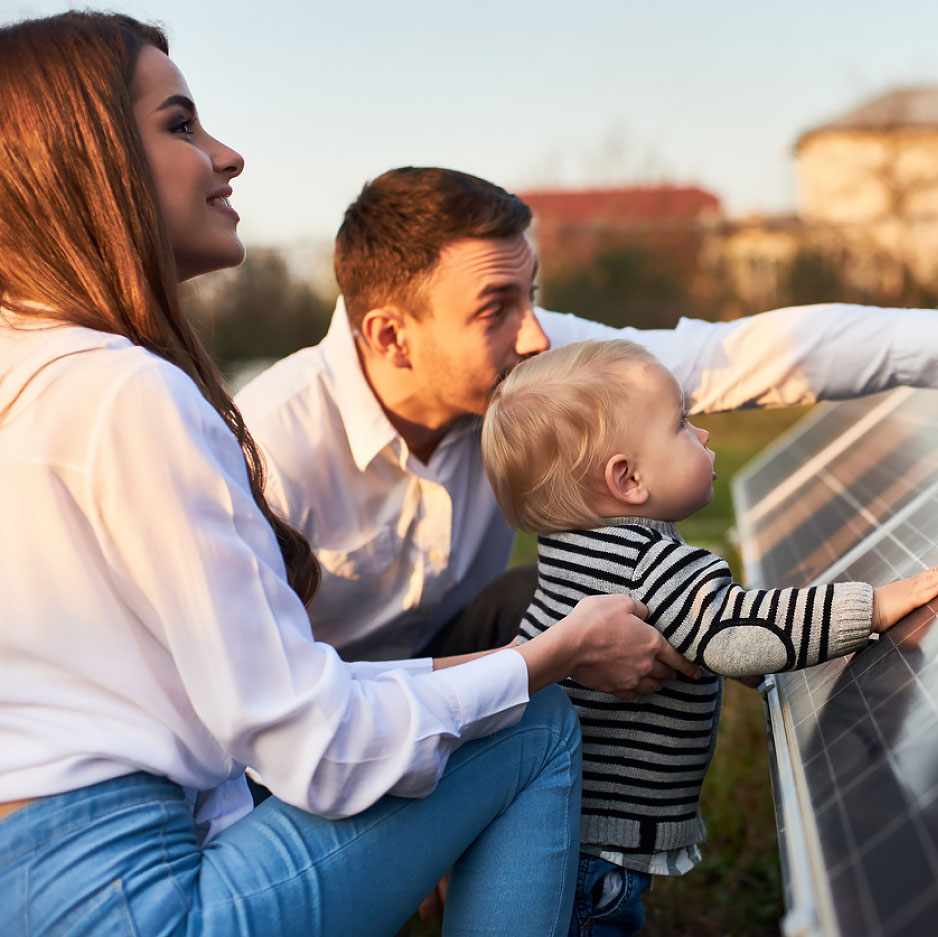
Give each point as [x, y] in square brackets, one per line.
[258, 310]
[814, 276]
[642, 282]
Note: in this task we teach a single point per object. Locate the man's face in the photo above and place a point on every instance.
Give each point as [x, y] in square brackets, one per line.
[478, 323]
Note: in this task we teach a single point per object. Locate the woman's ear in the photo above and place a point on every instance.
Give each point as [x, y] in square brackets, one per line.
[383, 332]
[623, 482]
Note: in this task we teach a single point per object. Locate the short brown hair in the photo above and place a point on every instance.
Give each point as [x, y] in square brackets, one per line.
[550, 425]
[392, 234]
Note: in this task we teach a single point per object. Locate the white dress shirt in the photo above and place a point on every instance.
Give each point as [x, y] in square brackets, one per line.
[146, 620]
[405, 546]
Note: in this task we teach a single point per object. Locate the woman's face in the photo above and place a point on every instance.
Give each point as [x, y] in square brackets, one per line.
[191, 169]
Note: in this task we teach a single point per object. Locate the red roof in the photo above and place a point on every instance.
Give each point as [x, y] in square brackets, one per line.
[663, 202]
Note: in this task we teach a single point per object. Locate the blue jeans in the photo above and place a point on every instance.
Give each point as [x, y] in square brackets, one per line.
[121, 858]
[608, 901]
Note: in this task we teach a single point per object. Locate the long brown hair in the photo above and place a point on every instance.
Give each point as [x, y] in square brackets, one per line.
[81, 233]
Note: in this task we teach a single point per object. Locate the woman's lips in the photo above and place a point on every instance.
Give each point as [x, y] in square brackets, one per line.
[221, 203]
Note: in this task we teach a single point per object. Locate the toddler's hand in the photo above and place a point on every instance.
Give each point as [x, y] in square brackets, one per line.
[893, 602]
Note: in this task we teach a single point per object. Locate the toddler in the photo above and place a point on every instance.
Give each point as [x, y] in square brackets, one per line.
[590, 447]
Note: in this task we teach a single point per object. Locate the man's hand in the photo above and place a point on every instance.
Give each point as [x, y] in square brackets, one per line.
[893, 602]
[605, 645]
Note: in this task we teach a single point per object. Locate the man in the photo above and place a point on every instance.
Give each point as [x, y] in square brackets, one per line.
[372, 437]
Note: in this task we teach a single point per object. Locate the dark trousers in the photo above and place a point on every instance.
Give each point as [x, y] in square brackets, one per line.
[491, 619]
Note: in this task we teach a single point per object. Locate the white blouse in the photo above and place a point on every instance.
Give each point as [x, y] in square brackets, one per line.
[146, 621]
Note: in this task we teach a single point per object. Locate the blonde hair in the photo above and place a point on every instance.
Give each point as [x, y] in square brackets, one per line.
[549, 426]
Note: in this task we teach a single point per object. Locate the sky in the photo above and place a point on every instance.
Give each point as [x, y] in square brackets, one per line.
[320, 97]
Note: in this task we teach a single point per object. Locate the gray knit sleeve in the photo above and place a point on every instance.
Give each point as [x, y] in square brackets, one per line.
[693, 601]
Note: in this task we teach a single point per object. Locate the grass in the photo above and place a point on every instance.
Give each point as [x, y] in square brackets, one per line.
[736, 889]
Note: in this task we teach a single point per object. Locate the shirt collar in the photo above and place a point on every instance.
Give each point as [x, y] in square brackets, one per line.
[668, 528]
[366, 425]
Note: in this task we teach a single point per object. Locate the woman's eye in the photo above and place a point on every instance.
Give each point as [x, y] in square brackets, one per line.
[183, 126]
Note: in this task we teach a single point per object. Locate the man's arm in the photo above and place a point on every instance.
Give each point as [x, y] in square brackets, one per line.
[785, 357]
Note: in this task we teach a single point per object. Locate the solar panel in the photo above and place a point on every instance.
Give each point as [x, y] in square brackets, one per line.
[792, 449]
[855, 740]
[848, 479]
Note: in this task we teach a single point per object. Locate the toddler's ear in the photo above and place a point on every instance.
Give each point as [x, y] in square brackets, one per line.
[623, 482]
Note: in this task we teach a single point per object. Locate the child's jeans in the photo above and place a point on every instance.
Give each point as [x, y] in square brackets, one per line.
[608, 900]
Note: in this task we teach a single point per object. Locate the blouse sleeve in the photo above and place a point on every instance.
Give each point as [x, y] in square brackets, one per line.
[785, 357]
[200, 570]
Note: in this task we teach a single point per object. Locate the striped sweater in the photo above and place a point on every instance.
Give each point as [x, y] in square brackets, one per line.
[644, 760]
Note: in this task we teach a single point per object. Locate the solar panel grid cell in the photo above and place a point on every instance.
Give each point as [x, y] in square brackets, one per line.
[791, 540]
[825, 422]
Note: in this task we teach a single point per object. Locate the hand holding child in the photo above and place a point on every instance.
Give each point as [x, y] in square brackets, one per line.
[605, 644]
[893, 602]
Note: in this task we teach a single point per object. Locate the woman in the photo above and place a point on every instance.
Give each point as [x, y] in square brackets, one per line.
[153, 640]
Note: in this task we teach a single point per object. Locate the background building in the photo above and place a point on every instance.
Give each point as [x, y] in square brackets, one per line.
[867, 212]
[865, 229]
